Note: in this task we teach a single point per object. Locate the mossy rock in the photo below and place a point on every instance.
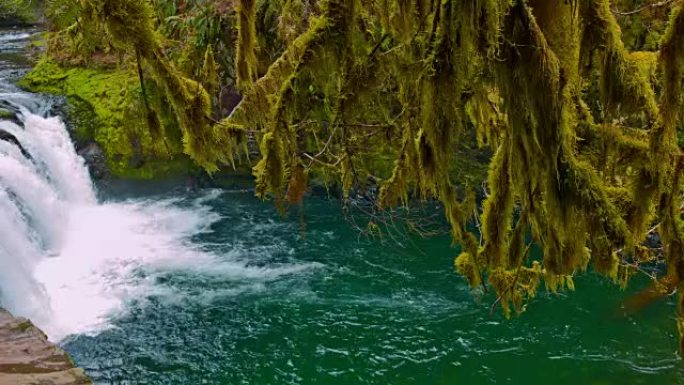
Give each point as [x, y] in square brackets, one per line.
[104, 105]
[6, 114]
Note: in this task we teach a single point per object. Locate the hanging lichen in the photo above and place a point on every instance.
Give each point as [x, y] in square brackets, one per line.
[246, 44]
[379, 94]
[129, 23]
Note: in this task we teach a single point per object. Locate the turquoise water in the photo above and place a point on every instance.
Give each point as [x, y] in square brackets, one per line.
[280, 305]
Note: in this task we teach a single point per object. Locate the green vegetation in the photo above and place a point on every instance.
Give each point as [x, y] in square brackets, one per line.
[18, 11]
[583, 126]
[105, 106]
[5, 114]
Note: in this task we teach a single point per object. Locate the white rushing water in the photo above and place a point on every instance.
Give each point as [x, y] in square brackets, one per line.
[67, 261]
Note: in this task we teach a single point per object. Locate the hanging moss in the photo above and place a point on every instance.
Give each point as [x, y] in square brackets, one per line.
[498, 210]
[466, 266]
[573, 169]
[624, 81]
[246, 44]
[667, 166]
[383, 93]
[250, 111]
[129, 23]
[210, 73]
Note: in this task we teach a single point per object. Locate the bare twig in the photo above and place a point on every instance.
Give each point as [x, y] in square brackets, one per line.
[643, 8]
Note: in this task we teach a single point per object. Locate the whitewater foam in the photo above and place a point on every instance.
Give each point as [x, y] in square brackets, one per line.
[71, 264]
[94, 274]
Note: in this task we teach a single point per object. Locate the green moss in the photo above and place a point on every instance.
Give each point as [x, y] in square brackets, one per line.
[18, 12]
[246, 46]
[5, 114]
[104, 107]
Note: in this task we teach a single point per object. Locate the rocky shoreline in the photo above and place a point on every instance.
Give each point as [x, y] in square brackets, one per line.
[28, 358]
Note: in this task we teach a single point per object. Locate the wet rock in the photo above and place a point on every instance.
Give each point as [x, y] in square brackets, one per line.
[6, 136]
[95, 160]
[136, 160]
[8, 113]
[27, 358]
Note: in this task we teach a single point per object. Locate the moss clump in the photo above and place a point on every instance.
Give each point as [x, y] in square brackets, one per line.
[18, 12]
[104, 106]
[5, 114]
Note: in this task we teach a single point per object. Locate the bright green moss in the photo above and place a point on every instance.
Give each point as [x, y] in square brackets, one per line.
[103, 106]
[5, 114]
[246, 45]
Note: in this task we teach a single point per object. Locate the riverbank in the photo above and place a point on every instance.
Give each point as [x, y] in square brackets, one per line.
[28, 358]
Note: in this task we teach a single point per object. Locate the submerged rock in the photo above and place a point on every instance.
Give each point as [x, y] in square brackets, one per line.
[8, 114]
[28, 358]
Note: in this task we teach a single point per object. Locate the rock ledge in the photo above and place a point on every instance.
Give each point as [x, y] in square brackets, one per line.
[28, 358]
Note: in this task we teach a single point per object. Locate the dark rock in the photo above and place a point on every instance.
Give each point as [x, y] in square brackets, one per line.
[136, 160]
[6, 136]
[95, 160]
[228, 100]
[8, 112]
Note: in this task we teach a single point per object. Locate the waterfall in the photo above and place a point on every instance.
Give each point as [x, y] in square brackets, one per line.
[72, 263]
[39, 186]
[68, 261]
[50, 146]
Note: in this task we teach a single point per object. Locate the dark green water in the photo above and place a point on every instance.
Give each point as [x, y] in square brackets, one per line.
[334, 308]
